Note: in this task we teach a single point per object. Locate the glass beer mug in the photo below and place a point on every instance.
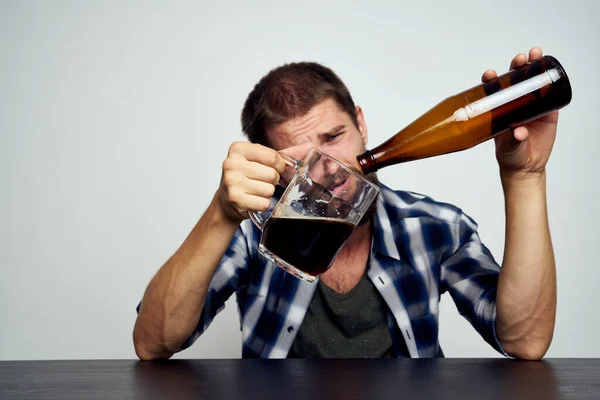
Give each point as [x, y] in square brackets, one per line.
[314, 217]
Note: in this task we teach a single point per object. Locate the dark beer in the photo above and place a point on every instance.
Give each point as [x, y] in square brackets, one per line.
[309, 243]
[476, 115]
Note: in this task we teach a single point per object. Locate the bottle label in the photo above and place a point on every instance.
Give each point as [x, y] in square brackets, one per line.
[507, 95]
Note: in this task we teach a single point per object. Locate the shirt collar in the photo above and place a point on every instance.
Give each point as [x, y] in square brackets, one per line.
[383, 233]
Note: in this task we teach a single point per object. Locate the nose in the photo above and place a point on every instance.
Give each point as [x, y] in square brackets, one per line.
[330, 166]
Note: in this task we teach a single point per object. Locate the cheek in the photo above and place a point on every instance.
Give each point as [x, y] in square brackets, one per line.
[347, 150]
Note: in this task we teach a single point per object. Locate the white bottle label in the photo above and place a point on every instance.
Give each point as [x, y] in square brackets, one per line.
[507, 95]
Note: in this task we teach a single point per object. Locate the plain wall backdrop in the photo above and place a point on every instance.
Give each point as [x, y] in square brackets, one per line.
[115, 117]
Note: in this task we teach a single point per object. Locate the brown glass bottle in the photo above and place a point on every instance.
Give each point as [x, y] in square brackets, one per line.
[476, 115]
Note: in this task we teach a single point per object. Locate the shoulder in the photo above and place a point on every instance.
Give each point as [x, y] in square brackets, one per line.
[406, 204]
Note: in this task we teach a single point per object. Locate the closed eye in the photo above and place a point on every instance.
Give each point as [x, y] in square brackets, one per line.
[332, 134]
[331, 138]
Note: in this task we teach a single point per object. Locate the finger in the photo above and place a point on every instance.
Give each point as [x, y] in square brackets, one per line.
[297, 152]
[519, 61]
[535, 54]
[257, 153]
[521, 133]
[241, 201]
[259, 188]
[489, 75]
[259, 172]
[256, 203]
[236, 170]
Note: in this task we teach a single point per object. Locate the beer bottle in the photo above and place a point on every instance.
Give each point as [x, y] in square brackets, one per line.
[476, 115]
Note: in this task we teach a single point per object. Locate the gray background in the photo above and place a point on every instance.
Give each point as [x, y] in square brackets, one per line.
[115, 117]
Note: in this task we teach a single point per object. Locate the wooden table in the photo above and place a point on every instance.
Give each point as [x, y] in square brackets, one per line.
[485, 379]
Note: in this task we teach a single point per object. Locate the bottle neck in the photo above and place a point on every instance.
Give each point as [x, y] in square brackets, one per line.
[367, 162]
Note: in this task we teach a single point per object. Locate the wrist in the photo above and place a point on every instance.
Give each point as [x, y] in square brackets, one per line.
[219, 216]
[520, 180]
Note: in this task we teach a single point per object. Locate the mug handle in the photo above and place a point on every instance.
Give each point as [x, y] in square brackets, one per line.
[258, 220]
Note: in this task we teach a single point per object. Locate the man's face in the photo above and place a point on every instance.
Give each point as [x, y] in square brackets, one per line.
[328, 128]
[332, 131]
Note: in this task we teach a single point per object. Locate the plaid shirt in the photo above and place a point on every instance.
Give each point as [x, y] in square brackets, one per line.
[420, 250]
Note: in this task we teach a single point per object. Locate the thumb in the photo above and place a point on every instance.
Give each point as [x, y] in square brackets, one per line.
[298, 153]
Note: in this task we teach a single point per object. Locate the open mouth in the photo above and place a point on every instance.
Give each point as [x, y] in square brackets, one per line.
[340, 187]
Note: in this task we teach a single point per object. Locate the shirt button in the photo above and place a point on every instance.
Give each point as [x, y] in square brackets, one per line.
[290, 329]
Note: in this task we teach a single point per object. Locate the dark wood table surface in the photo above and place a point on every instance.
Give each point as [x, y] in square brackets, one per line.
[302, 379]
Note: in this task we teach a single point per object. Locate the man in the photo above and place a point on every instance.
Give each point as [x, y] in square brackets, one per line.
[381, 296]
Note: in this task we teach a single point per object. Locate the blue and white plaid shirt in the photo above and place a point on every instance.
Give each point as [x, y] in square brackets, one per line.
[421, 249]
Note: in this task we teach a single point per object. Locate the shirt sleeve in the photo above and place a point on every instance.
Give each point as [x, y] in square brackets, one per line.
[470, 274]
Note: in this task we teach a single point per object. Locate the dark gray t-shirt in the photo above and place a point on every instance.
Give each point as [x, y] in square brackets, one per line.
[349, 325]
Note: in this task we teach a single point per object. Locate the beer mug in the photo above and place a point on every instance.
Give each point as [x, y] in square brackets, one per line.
[319, 209]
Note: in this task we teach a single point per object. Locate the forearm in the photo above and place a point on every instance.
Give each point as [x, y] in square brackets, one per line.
[173, 302]
[526, 298]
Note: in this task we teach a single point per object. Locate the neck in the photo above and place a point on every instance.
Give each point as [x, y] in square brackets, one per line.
[351, 263]
[360, 235]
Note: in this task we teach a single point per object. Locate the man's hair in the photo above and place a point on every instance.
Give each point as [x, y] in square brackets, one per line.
[290, 91]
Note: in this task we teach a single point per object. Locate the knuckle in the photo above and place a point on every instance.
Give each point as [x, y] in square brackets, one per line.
[230, 180]
[235, 147]
[228, 164]
[227, 181]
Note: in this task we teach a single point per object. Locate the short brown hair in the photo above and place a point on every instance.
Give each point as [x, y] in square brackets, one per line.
[290, 91]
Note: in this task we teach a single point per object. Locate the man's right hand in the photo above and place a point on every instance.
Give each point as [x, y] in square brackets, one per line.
[250, 173]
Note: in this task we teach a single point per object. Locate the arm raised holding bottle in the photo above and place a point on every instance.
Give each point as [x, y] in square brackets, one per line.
[519, 110]
[526, 297]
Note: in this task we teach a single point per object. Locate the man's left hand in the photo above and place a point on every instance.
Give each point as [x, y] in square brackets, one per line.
[524, 152]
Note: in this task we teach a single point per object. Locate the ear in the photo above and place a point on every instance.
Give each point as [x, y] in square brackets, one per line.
[362, 125]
